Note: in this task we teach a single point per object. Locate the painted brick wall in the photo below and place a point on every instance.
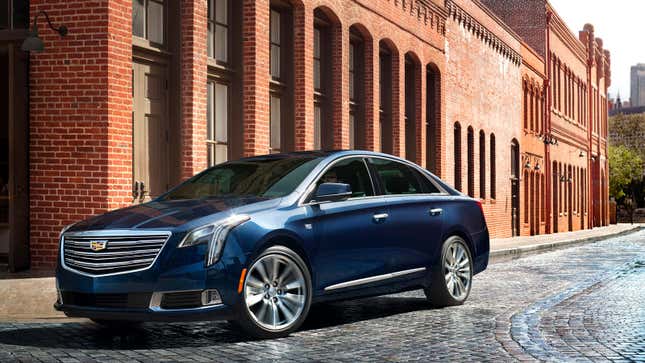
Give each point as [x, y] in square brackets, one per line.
[483, 92]
[79, 117]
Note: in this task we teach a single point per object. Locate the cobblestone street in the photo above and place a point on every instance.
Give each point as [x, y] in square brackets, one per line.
[582, 303]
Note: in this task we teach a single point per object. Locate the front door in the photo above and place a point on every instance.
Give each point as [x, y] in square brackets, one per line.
[14, 167]
[515, 188]
[151, 176]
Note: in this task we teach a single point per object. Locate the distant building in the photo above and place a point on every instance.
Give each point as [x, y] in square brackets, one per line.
[637, 97]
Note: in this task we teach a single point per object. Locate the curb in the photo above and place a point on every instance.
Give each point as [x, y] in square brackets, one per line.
[517, 252]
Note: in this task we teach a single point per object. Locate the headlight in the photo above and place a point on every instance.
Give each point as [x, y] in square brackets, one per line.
[215, 235]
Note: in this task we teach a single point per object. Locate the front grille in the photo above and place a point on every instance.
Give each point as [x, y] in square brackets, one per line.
[119, 254]
[122, 301]
[181, 300]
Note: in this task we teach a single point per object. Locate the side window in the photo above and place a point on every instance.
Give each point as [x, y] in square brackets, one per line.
[397, 178]
[350, 171]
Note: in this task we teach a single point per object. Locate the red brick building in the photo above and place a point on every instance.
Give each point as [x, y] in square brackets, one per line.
[143, 94]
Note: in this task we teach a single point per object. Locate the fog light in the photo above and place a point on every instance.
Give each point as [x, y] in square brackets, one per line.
[211, 297]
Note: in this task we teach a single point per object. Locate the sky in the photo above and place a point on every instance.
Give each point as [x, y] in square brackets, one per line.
[619, 23]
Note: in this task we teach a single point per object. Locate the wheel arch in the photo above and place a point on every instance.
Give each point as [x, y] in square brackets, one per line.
[287, 239]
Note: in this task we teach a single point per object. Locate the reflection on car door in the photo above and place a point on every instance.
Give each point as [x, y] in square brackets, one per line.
[348, 233]
[416, 211]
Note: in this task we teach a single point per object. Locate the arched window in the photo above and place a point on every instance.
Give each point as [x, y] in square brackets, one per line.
[525, 102]
[493, 176]
[281, 71]
[412, 104]
[386, 58]
[471, 162]
[457, 154]
[324, 44]
[433, 102]
[482, 164]
[223, 137]
[542, 199]
[357, 104]
[527, 192]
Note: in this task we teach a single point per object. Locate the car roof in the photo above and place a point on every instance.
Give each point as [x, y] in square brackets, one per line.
[316, 153]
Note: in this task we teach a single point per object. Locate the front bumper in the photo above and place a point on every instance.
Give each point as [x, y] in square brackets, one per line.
[175, 270]
[215, 312]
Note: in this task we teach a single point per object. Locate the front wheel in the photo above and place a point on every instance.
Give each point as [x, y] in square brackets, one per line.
[276, 294]
[451, 280]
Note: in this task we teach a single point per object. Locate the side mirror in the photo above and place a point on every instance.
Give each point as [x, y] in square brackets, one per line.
[332, 192]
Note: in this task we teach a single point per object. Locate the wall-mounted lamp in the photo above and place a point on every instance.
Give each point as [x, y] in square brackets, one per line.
[593, 158]
[549, 139]
[582, 154]
[537, 166]
[528, 164]
[563, 178]
[33, 43]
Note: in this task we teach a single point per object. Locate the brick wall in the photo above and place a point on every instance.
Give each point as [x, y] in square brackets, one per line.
[483, 78]
[81, 102]
[79, 98]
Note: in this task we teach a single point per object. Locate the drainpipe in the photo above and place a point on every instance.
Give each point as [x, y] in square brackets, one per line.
[547, 126]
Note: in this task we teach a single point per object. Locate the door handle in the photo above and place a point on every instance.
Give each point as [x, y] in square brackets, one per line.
[436, 211]
[380, 217]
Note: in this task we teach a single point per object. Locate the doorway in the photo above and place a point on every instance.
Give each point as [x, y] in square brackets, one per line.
[515, 188]
[14, 166]
[151, 124]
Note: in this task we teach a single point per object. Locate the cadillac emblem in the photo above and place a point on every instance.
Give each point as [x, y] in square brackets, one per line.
[98, 245]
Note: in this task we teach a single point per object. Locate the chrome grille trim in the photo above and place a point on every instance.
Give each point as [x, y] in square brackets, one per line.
[127, 251]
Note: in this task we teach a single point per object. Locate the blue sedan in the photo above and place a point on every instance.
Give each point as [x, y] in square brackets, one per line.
[258, 240]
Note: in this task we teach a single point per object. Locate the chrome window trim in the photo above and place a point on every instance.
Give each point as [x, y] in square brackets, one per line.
[309, 189]
[108, 233]
[367, 280]
[312, 185]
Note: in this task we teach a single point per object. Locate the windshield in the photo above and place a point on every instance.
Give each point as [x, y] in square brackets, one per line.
[269, 177]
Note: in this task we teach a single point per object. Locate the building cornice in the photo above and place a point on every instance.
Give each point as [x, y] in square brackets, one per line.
[486, 35]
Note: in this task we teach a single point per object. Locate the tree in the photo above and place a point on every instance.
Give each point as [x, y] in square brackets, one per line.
[625, 171]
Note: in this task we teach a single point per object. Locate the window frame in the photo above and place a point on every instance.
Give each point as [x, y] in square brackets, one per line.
[145, 39]
[213, 142]
[305, 198]
[212, 57]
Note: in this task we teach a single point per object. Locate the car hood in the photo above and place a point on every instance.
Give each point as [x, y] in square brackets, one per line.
[167, 214]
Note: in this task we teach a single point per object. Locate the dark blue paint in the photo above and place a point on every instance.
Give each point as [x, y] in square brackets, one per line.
[340, 241]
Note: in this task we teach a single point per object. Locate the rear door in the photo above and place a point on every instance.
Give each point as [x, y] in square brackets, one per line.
[415, 209]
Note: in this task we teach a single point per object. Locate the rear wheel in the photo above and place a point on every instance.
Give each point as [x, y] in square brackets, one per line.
[276, 294]
[451, 280]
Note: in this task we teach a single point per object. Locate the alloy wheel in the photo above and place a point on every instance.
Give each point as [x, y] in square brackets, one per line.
[275, 292]
[456, 270]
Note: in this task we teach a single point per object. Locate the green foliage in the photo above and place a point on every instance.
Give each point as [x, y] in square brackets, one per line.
[625, 171]
[628, 130]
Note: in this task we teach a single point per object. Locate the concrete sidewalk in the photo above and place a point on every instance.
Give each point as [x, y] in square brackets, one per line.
[29, 296]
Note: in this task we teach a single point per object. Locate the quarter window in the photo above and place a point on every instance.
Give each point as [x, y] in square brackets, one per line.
[350, 171]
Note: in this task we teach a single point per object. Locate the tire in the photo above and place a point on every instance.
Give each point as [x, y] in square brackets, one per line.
[451, 281]
[274, 301]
